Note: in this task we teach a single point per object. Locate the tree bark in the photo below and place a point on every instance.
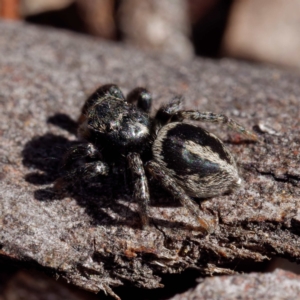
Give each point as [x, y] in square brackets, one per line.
[93, 237]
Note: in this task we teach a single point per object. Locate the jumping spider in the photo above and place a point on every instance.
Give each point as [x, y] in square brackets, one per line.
[185, 159]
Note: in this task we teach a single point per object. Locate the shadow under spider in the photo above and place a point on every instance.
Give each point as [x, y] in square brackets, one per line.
[45, 154]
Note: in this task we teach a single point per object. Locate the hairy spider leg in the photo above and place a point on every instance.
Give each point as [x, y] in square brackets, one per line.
[170, 185]
[79, 152]
[141, 190]
[195, 115]
[87, 171]
[142, 97]
[81, 162]
[165, 112]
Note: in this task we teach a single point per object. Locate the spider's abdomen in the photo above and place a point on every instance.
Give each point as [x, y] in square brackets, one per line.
[197, 159]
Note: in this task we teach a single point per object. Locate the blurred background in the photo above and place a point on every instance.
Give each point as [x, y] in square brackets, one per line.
[264, 31]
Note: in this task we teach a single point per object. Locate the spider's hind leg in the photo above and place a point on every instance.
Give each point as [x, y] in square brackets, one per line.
[206, 225]
[195, 115]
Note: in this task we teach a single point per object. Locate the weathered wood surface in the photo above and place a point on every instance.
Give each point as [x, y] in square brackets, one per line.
[277, 285]
[93, 238]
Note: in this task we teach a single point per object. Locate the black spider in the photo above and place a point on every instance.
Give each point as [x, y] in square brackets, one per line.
[185, 159]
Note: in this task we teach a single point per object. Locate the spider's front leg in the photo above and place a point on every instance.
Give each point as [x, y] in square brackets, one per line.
[81, 163]
[141, 190]
[142, 97]
[78, 153]
[172, 186]
[195, 115]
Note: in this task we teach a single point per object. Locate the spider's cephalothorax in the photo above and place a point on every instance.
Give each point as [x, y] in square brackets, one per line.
[185, 159]
[109, 120]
